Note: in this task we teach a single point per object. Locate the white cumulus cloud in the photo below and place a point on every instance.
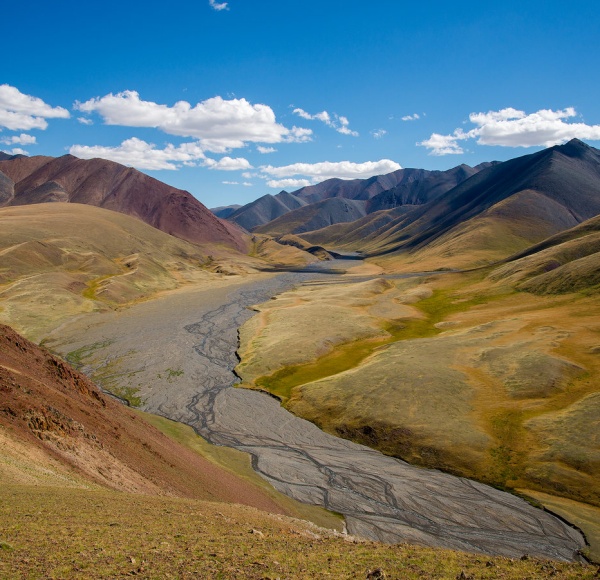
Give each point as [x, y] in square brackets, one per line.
[445, 144]
[22, 139]
[142, 155]
[337, 122]
[19, 111]
[218, 6]
[288, 183]
[514, 128]
[17, 151]
[328, 169]
[85, 121]
[265, 150]
[218, 124]
[413, 117]
[228, 164]
[379, 133]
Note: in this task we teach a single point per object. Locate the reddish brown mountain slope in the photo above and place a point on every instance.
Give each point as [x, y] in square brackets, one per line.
[113, 186]
[48, 406]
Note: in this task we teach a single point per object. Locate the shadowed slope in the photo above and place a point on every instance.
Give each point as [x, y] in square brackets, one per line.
[419, 186]
[113, 186]
[224, 211]
[265, 209]
[568, 176]
[497, 212]
[401, 190]
[405, 184]
[315, 216]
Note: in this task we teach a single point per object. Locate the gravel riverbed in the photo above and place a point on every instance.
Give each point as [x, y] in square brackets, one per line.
[180, 350]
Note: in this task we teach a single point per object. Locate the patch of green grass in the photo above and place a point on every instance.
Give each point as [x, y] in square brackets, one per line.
[349, 355]
[129, 394]
[6, 547]
[92, 287]
[342, 358]
[443, 303]
[507, 428]
[76, 357]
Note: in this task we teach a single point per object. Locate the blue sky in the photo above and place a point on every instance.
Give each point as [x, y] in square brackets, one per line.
[232, 100]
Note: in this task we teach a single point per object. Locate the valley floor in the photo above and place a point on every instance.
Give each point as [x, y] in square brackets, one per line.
[175, 355]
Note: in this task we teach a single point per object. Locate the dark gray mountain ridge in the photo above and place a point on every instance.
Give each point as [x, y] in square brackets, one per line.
[367, 189]
[225, 211]
[315, 216]
[421, 186]
[399, 188]
[265, 209]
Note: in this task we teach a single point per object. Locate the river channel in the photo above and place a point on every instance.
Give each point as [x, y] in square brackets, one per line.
[381, 498]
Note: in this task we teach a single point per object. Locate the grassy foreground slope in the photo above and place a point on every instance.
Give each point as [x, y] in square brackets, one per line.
[58, 533]
[90, 490]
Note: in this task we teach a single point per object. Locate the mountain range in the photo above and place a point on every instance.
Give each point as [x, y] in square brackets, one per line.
[498, 211]
[404, 187]
[89, 241]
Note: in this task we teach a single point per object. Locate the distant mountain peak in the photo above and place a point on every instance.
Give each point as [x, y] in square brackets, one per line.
[573, 148]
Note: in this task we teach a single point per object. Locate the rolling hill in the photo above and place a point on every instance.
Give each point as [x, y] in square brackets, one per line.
[113, 186]
[69, 258]
[566, 262]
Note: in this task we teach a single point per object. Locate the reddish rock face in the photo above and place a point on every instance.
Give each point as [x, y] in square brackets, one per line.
[48, 406]
[116, 187]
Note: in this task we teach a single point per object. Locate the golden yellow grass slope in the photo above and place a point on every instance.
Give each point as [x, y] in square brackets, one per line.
[59, 260]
